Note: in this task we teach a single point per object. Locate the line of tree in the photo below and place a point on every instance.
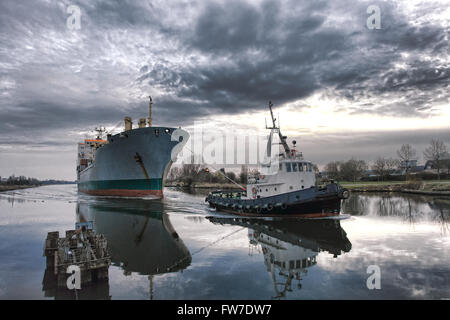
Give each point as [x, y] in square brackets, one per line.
[53, 181]
[19, 181]
[384, 167]
[353, 170]
[194, 173]
[12, 180]
[350, 170]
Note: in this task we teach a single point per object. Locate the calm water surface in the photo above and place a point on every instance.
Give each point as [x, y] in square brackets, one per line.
[177, 248]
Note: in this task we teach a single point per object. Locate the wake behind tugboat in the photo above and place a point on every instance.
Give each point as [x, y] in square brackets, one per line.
[290, 191]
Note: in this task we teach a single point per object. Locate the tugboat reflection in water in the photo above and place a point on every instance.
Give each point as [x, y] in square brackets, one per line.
[291, 246]
[140, 239]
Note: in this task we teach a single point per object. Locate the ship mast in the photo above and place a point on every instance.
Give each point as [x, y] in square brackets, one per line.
[287, 150]
[100, 132]
[150, 111]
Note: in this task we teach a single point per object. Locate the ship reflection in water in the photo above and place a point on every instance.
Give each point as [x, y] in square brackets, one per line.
[290, 247]
[140, 240]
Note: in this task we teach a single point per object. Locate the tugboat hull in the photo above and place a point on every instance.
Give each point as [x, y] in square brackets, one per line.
[311, 202]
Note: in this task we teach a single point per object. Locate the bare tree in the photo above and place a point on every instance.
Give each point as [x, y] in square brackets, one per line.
[391, 165]
[189, 173]
[379, 167]
[352, 169]
[436, 152]
[332, 170]
[406, 154]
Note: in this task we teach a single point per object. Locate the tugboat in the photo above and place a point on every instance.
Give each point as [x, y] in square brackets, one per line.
[289, 191]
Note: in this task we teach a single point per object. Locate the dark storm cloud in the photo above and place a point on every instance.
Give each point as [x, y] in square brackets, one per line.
[264, 55]
[262, 52]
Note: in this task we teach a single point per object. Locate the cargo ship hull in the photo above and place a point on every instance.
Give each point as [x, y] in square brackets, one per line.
[131, 164]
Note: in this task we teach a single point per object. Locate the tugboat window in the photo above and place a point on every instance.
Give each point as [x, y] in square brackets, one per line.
[300, 166]
[288, 167]
[294, 166]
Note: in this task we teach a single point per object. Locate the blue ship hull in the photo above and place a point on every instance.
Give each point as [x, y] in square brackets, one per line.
[132, 163]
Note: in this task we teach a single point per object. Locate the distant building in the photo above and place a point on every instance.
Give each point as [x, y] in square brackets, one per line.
[370, 173]
[407, 165]
[410, 166]
[416, 169]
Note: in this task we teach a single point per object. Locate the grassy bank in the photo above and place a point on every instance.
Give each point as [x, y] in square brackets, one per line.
[431, 187]
[203, 185]
[425, 187]
[15, 187]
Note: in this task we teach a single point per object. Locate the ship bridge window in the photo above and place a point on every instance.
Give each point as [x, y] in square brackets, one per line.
[294, 166]
[281, 166]
[300, 166]
[288, 167]
[309, 167]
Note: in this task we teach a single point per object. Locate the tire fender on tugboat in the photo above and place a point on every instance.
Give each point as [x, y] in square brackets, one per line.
[344, 193]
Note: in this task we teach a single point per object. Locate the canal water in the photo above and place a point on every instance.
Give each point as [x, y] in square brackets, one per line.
[178, 248]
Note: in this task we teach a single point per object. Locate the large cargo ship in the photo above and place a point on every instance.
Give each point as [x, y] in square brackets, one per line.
[131, 163]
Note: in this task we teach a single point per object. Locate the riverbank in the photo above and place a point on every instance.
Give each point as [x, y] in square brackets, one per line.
[432, 187]
[203, 185]
[16, 187]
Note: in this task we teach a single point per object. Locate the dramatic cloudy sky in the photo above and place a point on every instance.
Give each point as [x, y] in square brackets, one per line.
[341, 89]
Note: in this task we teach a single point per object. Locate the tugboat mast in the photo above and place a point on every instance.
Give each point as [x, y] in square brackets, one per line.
[287, 150]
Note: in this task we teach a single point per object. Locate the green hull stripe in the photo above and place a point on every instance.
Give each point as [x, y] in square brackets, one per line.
[133, 184]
